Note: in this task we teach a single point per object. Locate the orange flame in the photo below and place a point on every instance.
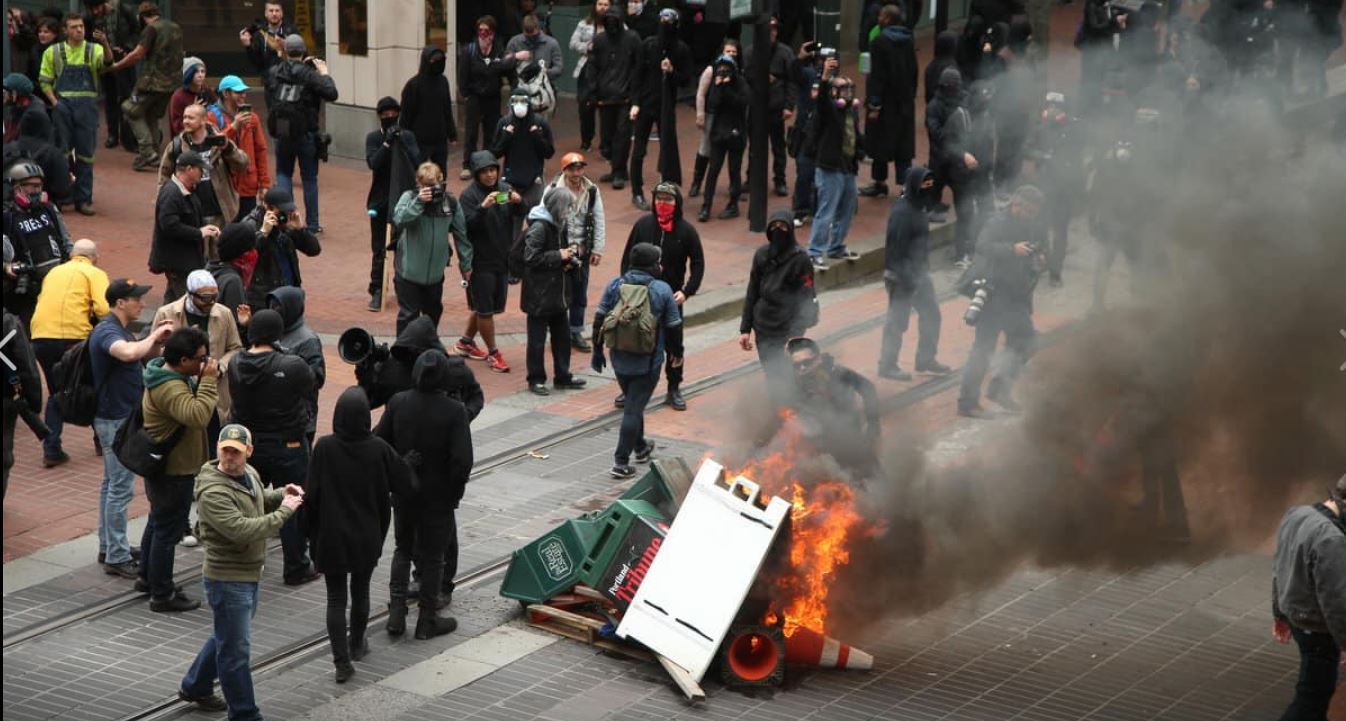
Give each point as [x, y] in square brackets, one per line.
[823, 520]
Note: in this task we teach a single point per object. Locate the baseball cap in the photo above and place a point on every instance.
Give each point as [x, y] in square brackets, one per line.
[571, 158]
[234, 84]
[235, 436]
[294, 45]
[124, 288]
[190, 158]
[279, 198]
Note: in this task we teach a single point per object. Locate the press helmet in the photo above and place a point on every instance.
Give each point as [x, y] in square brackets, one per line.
[23, 170]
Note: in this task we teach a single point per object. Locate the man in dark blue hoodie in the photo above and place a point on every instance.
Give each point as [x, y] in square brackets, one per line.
[906, 276]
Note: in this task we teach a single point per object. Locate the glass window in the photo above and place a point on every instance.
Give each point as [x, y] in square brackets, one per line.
[353, 30]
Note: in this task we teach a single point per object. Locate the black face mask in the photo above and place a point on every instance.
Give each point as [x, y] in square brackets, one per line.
[612, 26]
[387, 123]
[779, 238]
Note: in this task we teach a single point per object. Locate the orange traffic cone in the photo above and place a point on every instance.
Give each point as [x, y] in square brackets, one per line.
[809, 648]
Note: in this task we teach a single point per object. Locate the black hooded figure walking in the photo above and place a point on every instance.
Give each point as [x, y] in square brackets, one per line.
[430, 431]
[665, 66]
[427, 108]
[347, 513]
[906, 277]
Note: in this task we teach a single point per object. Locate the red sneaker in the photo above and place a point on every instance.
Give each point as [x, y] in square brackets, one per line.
[496, 362]
[469, 350]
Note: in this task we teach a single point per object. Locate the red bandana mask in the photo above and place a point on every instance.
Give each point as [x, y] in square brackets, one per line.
[664, 213]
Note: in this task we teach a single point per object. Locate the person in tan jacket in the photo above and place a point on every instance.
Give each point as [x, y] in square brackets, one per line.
[200, 309]
[215, 193]
[178, 405]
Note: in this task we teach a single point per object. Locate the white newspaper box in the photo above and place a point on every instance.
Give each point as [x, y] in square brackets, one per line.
[704, 569]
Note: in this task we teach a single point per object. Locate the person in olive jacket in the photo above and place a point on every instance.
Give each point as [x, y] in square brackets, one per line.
[349, 511]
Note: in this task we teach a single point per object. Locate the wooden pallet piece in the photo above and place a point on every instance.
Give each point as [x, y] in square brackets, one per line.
[579, 628]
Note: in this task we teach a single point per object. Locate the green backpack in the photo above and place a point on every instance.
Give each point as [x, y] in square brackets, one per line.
[631, 326]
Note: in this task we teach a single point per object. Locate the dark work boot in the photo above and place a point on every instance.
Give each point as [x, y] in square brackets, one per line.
[675, 399]
[397, 617]
[698, 175]
[344, 671]
[359, 646]
[730, 211]
[429, 625]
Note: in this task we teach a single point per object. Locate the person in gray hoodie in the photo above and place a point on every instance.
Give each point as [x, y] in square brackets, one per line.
[300, 340]
[1308, 598]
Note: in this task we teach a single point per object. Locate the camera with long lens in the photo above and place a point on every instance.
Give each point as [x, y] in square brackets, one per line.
[575, 261]
[26, 414]
[357, 346]
[980, 295]
[24, 273]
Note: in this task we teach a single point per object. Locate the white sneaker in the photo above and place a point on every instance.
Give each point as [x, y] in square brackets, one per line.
[819, 264]
[963, 263]
[189, 541]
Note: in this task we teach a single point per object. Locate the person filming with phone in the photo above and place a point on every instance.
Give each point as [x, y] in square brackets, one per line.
[234, 117]
[215, 193]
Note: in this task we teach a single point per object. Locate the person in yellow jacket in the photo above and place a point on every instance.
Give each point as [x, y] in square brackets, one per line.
[71, 301]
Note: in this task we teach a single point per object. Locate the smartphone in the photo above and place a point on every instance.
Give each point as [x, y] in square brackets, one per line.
[245, 108]
[502, 197]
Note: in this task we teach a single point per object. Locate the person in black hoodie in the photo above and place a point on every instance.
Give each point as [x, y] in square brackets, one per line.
[946, 43]
[300, 340]
[961, 128]
[23, 385]
[237, 241]
[34, 143]
[393, 153]
[642, 16]
[427, 108]
[781, 92]
[429, 430]
[890, 102]
[347, 511]
[524, 141]
[727, 101]
[481, 67]
[491, 225]
[270, 390]
[1009, 256]
[780, 303]
[614, 63]
[906, 277]
[546, 291]
[680, 247]
[281, 237]
[382, 378]
[665, 66]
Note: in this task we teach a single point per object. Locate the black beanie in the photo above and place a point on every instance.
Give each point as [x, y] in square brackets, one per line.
[645, 256]
[235, 240]
[265, 328]
[387, 102]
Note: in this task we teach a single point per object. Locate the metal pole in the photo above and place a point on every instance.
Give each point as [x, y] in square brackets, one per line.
[758, 107]
[941, 16]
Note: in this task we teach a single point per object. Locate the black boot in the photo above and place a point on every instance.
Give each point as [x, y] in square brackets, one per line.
[397, 617]
[698, 175]
[359, 646]
[730, 211]
[429, 625]
[344, 671]
[675, 399]
[704, 214]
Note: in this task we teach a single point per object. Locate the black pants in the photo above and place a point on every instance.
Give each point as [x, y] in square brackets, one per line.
[900, 304]
[1318, 659]
[175, 285]
[631, 436]
[775, 133]
[438, 152]
[775, 363]
[170, 501]
[1015, 320]
[11, 418]
[588, 112]
[645, 122]
[579, 294]
[417, 299]
[483, 113]
[115, 88]
[337, 590]
[539, 327]
[718, 151]
[378, 240]
[1060, 205]
[878, 170]
[48, 352]
[615, 121]
[281, 462]
[675, 356]
[423, 535]
[973, 203]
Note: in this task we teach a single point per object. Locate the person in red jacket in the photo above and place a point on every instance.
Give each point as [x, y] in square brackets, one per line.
[233, 115]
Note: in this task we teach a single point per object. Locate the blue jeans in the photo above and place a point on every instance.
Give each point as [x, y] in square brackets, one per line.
[281, 462]
[306, 151]
[170, 503]
[836, 208]
[77, 126]
[114, 496]
[1318, 658]
[637, 390]
[226, 654]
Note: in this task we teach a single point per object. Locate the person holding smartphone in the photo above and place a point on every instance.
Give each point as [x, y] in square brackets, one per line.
[215, 194]
[233, 116]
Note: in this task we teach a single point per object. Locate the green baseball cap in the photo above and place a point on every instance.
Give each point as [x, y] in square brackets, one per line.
[235, 436]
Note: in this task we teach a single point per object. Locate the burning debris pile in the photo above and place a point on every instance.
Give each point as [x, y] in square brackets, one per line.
[725, 570]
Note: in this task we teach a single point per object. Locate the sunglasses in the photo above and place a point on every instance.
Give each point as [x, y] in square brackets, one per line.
[206, 297]
[807, 363]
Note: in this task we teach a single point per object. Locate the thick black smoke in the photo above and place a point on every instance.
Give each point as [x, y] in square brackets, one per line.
[1225, 369]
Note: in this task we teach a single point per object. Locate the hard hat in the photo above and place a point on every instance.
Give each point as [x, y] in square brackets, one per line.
[571, 158]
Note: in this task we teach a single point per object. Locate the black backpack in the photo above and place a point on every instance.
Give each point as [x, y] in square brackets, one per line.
[285, 118]
[136, 448]
[72, 377]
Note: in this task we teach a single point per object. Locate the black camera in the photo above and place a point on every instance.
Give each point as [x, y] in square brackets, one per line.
[215, 141]
[23, 283]
[323, 141]
[437, 193]
[980, 295]
[826, 53]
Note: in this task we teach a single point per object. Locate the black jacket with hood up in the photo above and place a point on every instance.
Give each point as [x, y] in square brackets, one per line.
[427, 102]
[546, 285]
[681, 248]
[270, 393]
[300, 340]
[347, 503]
[525, 151]
[780, 288]
[906, 250]
[615, 60]
[491, 229]
[946, 44]
[647, 85]
[430, 430]
[383, 379]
